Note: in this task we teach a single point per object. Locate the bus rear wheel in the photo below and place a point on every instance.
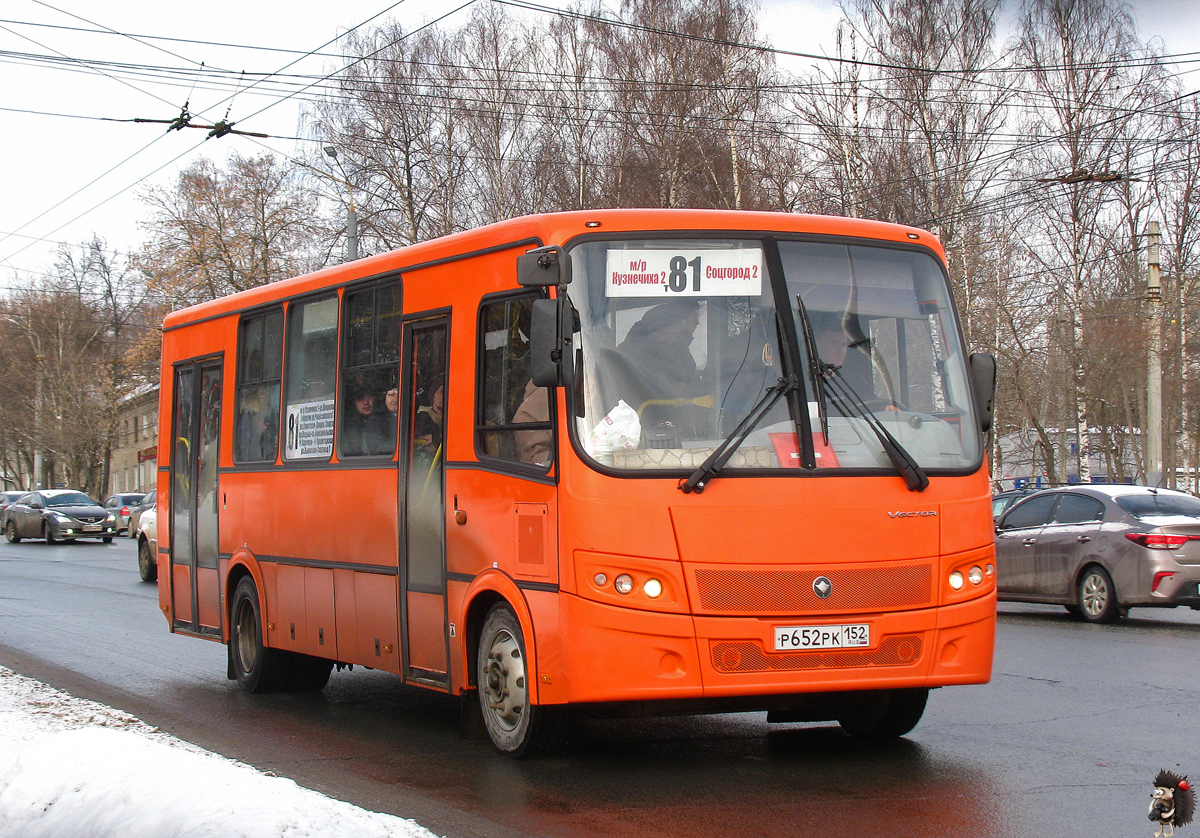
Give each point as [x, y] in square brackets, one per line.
[882, 714]
[259, 668]
[514, 724]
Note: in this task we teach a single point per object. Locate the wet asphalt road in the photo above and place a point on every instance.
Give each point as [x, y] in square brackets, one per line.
[1064, 740]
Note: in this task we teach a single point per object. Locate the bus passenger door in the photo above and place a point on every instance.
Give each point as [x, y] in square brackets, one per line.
[196, 425]
[423, 502]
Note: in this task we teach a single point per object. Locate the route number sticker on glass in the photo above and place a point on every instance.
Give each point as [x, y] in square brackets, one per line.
[736, 272]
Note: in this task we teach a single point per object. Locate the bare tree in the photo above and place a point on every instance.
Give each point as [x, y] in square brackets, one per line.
[69, 361]
[216, 231]
[1081, 96]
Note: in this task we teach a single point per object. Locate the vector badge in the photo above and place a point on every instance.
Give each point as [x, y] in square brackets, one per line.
[1172, 803]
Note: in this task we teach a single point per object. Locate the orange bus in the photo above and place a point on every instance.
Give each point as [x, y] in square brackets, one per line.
[615, 462]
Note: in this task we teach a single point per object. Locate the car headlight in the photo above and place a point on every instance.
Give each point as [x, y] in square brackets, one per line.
[111, 518]
[62, 519]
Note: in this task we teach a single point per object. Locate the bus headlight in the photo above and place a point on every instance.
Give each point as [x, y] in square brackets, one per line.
[956, 581]
[623, 584]
[653, 588]
[975, 575]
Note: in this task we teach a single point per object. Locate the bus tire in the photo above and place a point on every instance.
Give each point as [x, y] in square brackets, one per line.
[257, 668]
[516, 726]
[147, 567]
[882, 714]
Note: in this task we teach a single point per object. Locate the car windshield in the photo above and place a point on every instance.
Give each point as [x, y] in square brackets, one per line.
[1160, 505]
[70, 499]
[681, 341]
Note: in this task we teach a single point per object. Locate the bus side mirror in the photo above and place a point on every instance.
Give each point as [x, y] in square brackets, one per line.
[545, 351]
[983, 385]
[544, 267]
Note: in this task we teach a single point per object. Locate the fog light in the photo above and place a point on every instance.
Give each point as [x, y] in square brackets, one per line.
[975, 575]
[653, 588]
[624, 583]
[600, 579]
[956, 580]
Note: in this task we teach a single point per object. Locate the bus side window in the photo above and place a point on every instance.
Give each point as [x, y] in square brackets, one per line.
[370, 372]
[513, 417]
[311, 366]
[259, 367]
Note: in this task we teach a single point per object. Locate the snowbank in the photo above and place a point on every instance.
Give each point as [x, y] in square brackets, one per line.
[77, 768]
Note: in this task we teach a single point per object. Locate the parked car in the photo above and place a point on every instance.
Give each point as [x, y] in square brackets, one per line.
[58, 514]
[1001, 501]
[122, 505]
[135, 514]
[146, 533]
[1098, 550]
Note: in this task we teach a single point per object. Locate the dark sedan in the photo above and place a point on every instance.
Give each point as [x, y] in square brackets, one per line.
[58, 515]
[1098, 550]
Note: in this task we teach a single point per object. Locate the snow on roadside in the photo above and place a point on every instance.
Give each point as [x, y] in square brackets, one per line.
[75, 767]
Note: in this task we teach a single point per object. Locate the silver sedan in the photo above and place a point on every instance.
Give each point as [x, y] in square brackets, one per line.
[1101, 549]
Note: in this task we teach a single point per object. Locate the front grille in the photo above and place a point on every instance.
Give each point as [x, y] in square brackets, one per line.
[89, 519]
[748, 656]
[855, 589]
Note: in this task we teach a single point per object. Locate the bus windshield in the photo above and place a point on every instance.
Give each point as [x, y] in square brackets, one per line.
[681, 338]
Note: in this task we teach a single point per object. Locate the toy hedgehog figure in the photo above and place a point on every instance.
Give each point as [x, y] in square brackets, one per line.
[1172, 804]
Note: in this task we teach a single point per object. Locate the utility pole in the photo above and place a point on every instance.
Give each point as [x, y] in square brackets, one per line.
[351, 215]
[1154, 447]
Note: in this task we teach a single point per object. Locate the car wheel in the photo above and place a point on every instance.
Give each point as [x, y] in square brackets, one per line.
[107, 539]
[1098, 596]
[515, 725]
[882, 714]
[48, 534]
[147, 567]
[10, 532]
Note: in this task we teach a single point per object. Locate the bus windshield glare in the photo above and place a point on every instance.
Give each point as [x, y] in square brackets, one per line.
[681, 338]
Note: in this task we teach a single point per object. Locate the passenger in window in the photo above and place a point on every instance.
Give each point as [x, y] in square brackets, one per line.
[391, 404]
[536, 447]
[365, 430]
[428, 430]
[659, 346]
[831, 340]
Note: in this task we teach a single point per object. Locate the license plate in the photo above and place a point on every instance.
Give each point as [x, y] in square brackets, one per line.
[92, 528]
[853, 635]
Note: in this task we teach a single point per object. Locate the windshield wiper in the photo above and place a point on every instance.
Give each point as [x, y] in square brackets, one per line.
[850, 403]
[721, 454]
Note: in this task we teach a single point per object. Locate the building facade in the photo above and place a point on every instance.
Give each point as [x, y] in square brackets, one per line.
[134, 463]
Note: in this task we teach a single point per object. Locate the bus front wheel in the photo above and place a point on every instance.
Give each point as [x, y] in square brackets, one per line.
[514, 724]
[882, 714]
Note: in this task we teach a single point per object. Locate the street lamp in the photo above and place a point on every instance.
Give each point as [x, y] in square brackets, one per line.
[351, 215]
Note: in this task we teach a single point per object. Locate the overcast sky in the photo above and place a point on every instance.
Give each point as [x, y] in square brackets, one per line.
[64, 178]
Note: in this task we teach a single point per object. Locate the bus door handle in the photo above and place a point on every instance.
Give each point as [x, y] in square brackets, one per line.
[460, 515]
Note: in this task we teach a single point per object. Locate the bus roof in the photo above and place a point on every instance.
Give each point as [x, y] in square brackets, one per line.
[549, 228]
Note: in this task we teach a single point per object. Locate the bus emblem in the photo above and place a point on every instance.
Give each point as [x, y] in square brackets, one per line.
[822, 587]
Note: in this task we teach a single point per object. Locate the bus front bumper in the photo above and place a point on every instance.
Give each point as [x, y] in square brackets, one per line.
[625, 655]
